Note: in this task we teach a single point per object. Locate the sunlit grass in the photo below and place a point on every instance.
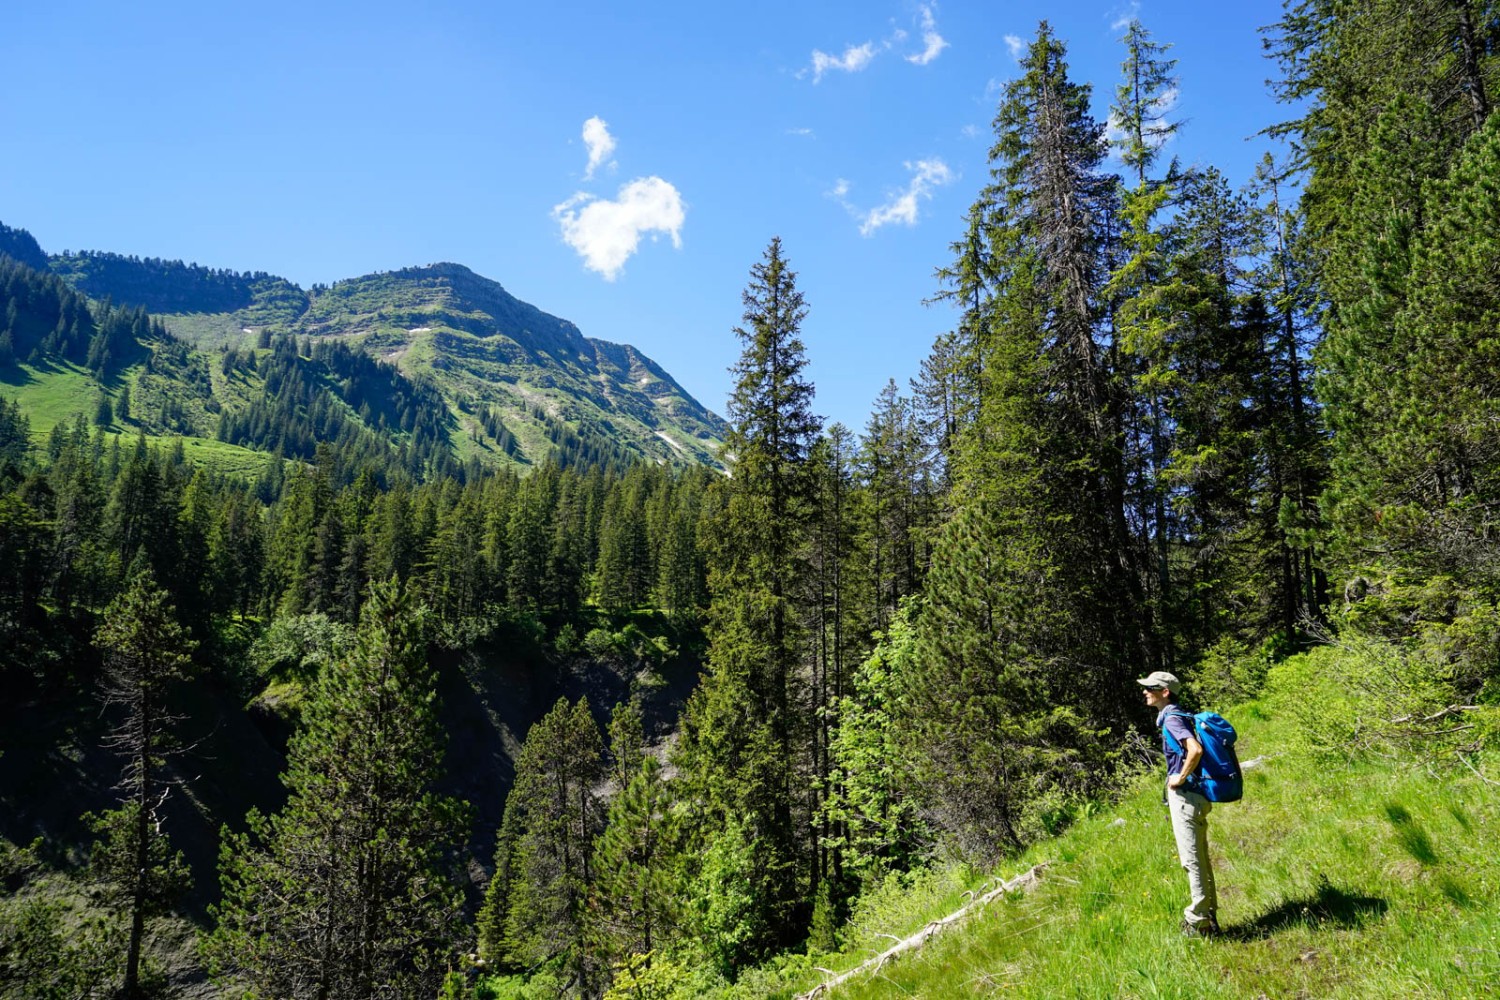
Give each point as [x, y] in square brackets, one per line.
[50, 394]
[57, 393]
[1364, 881]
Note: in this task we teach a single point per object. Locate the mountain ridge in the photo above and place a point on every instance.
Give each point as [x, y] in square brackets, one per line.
[522, 384]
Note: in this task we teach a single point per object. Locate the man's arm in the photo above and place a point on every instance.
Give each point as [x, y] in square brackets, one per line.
[1193, 753]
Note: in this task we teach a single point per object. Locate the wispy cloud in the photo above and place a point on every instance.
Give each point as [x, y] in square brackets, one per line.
[903, 206]
[607, 233]
[1124, 15]
[599, 142]
[854, 59]
[806, 133]
[934, 42]
[926, 175]
[1017, 46]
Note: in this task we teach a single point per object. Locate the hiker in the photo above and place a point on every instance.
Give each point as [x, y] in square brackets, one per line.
[1188, 807]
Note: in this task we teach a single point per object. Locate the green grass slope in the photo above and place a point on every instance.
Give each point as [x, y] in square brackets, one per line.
[1368, 880]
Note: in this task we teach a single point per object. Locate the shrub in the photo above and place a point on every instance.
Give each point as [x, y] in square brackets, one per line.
[1365, 695]
[599, 642]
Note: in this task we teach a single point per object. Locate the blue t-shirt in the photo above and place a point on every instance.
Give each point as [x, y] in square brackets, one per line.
[1181, 728]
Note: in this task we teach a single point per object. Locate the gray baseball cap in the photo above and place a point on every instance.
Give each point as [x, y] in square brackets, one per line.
[1160, 679]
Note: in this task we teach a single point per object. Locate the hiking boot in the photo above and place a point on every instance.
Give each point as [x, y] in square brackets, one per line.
[1205, 929]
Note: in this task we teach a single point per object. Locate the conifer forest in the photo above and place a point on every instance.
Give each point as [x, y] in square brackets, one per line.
[371, 720]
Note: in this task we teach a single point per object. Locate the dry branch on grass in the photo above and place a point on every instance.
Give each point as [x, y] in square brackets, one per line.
[911, 942]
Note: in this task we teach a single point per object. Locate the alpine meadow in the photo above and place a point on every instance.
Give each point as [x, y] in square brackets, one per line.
[390, 638]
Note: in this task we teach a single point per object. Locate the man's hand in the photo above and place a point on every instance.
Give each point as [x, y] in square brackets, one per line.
[1194, 753]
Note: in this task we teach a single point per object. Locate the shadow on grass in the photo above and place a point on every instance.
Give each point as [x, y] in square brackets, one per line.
[1409, 833]
[1327, 907]
[12, 373]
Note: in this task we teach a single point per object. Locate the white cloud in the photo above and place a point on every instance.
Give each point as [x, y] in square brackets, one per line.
[1017, 46]
[854, 59]
[970, 131]
[804, 132]
[600, 143]
[607, 233]
[902, 208]
[840, 189]
[935, 42]
[1124, 15]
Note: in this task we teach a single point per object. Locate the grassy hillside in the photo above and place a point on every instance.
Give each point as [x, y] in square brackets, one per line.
[50, 394]
[1370, 879]
[58, 392]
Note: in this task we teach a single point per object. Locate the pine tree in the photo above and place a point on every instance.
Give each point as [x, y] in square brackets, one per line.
[572, 546]
[1148, 301]
[627, 742]
[1295, 447]
[145, 650]
[844, 607]
[1430, 428]
[347, 892]
[635, 907]
[621, 577]
[681, 587]
[898, 500]
[527, 538]
[871, 809]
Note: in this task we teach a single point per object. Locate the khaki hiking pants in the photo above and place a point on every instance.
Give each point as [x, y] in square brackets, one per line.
[1190, 827]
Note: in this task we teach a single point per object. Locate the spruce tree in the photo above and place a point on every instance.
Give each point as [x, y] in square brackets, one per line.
[552, 816]
[1032, 625]
[744, 737]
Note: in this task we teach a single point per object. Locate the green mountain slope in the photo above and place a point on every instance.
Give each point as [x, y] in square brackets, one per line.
[498, 357]
[521, 384]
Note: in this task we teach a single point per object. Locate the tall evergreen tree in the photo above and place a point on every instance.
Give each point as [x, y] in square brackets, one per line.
[145, 650]
[552, 816]
[635, 905]
[1032, 624]
[1147, 296]
[744, 735]
[346, 892]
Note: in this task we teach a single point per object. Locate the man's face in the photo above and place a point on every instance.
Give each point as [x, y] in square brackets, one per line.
[1157, 697]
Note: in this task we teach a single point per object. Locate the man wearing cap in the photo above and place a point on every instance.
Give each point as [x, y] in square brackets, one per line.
[1189, 809]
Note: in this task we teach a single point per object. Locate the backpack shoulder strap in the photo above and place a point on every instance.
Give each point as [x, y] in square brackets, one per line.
[1172, 740]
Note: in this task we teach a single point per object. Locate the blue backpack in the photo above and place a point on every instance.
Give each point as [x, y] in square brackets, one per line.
[1218, 777]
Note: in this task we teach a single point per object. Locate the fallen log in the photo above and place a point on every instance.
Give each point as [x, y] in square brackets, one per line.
[874, 965]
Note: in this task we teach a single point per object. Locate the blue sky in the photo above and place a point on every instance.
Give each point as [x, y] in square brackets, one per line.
[619, 165]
